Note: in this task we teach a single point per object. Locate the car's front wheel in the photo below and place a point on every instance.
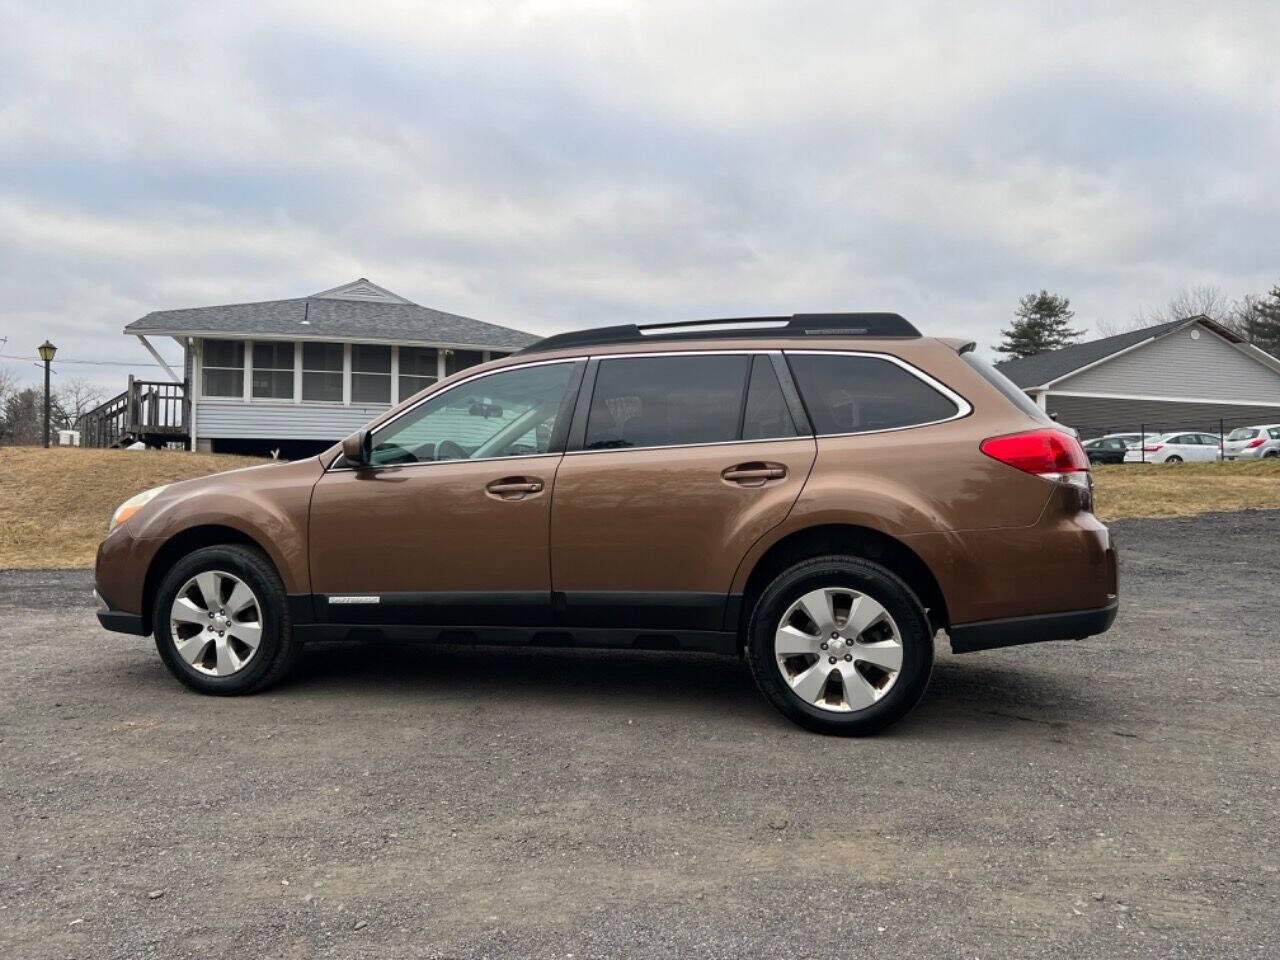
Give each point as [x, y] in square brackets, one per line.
[840, 645]
[222, 621]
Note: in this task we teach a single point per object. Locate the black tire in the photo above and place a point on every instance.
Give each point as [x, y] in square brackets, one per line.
[1173, 459]
[1271, 455]
[880, 584]
[276, 649]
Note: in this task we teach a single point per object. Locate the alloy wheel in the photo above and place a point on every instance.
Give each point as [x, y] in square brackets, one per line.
[838, 649]
[216, 623]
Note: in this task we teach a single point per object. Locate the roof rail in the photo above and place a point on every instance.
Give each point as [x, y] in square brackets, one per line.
[879, 325]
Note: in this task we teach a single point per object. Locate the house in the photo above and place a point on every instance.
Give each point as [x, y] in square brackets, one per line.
[1185, 374]
[298, 375]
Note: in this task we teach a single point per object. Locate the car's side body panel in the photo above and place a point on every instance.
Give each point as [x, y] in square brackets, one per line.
[435, 535]
[267, 505]
[658, 523]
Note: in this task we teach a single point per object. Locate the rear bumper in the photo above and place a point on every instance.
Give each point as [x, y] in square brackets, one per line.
[1012, 631]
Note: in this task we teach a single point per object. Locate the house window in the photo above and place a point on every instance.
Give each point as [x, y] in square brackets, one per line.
[322, 372]
[370, 374]
[419, 369]
[223, 366]
[273, 371]
[455, 360]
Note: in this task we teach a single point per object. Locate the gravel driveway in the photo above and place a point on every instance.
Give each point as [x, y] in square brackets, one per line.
[1111, 798]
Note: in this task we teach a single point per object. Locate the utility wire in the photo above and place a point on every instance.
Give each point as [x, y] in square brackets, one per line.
[97, 363]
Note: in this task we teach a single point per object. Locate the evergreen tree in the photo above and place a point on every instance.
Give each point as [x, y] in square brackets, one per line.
[1043, 323]
[1261, 322]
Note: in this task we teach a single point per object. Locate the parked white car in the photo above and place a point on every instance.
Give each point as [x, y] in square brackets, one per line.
[1253, 443]
[1175, 448]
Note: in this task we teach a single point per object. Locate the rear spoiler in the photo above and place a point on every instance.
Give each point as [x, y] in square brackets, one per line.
[959, 346]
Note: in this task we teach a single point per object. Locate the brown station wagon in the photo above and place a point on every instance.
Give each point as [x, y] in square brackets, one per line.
[820, 494]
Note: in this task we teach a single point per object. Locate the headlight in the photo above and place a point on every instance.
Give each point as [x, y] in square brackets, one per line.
[133, 505]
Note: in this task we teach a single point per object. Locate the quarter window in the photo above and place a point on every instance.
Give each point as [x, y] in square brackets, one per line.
[849, 394]
[273, 371]
[418, 369]
[509, 413]
[322, 372]
[666, 401]
[370, 373]
[222, 362]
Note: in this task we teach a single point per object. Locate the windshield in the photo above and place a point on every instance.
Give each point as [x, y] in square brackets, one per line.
[1242, 433]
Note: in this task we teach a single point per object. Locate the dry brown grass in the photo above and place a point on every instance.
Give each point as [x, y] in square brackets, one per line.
[1177, 489]
[55, 504]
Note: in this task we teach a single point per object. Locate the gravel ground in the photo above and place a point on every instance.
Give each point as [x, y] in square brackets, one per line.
[1112, 798]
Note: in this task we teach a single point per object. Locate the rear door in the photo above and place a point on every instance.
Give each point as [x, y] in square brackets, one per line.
[677, 464]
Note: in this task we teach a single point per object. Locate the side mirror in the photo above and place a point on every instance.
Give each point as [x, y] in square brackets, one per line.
[357, 449]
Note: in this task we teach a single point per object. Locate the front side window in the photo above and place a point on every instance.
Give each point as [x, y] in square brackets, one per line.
[370, 373]
[419, 369]
[851, 394]
[509, 413]
[273, 371]
[322, 372]
[222, 362]
[666, 401]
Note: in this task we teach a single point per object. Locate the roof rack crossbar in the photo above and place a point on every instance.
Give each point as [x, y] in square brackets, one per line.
[879, 325]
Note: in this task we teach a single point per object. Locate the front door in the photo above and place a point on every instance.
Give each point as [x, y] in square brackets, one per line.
[450, 522]
[685, 461]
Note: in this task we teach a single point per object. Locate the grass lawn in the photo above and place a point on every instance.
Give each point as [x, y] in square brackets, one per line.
[1176, 489]
[55, 504]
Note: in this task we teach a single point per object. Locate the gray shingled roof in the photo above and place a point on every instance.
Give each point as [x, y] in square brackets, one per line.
[1043, 367]
[330, 317]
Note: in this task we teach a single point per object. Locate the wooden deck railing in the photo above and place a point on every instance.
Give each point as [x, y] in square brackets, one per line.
[155, 412]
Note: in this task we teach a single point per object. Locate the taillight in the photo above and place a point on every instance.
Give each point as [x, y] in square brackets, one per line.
[1046, 453]
[1042, 452]
[1254, 443]
[1154, 448]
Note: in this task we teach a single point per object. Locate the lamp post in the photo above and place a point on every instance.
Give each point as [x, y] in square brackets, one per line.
[47, 350]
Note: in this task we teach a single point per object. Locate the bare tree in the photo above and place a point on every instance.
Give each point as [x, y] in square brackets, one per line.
[73, 399]
[1201, 300]
[8, 382]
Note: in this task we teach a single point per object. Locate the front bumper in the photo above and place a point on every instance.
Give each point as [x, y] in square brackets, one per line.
[1012, 631]
[120, 621]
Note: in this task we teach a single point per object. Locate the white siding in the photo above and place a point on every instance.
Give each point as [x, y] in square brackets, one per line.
[1179, 367]
[234, 419]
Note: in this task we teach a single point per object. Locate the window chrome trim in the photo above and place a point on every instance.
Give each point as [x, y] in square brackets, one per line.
[963, 407]
[439, 393]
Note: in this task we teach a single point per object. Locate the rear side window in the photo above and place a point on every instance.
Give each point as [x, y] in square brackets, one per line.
[848, 394]
[766, 416]
[666, 401]
[1012, 392]
[1242, 433]
[1275, 433]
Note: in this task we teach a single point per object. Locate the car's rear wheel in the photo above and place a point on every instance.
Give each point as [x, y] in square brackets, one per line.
[840, 645]
[1174, 458]
[1271, 455]
[222, 621]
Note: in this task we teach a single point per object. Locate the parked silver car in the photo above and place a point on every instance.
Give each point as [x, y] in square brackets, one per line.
[1252, 443]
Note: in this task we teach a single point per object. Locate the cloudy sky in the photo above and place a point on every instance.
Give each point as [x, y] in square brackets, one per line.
[551, 165]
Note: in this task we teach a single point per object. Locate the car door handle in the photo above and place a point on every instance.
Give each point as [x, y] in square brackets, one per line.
[754, 474]
[513, 488]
